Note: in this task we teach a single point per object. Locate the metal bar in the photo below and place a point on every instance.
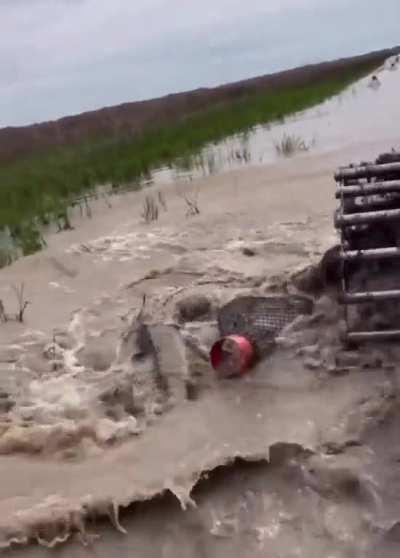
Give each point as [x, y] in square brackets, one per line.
[371, 296]
[367, 217]
[370, 204]
[366, 171]
[372, 254]
[368, 189]
[361, 336]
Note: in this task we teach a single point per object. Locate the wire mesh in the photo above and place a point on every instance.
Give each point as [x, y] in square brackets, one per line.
[261, 319]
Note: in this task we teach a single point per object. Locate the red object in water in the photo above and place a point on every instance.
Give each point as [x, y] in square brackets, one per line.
[232, 356]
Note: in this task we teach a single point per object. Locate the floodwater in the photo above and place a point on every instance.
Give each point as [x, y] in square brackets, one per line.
[367, 109]
[101, 456]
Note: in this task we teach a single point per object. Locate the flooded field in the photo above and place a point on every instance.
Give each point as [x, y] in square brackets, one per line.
[117, 438]
[368, 109]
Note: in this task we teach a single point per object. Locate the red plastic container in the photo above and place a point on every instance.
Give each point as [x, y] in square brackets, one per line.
[232, 356]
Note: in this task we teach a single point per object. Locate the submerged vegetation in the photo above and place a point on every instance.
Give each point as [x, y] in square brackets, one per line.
[289, 145]
[39, 190]
[150, 211]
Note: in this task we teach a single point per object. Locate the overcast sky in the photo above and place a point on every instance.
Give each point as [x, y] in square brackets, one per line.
[60, 57]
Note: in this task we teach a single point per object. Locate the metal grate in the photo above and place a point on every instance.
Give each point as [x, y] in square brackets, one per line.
[369, 224]
[260, 319]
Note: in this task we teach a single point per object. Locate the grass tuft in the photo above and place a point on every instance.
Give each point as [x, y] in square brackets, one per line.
[289, 145]
[150, 211]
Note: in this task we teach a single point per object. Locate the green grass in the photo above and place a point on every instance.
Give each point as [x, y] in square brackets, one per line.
[39, 189]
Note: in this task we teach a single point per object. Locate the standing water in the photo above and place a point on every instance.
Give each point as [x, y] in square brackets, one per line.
[368, 109]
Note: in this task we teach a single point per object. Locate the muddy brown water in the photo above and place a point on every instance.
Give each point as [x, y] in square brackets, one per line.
[327, 488]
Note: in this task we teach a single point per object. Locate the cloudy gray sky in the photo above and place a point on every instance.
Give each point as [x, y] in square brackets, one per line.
[60, 57]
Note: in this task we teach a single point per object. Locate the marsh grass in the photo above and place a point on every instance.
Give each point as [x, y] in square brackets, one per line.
[291, 144]
[37, 190]
[150, 210]
[6, 257]
[191, 199]
[162, 201]
[22, 302]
